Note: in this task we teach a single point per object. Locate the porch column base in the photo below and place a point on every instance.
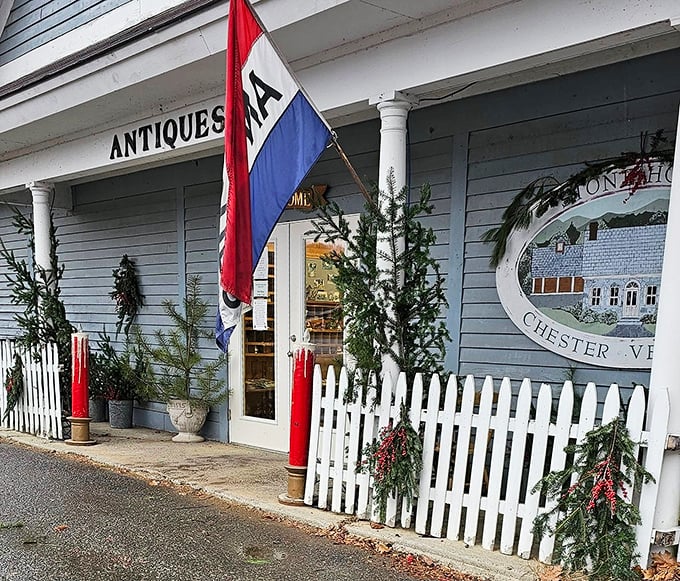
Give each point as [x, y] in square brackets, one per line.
[297, 475]
[80, 432]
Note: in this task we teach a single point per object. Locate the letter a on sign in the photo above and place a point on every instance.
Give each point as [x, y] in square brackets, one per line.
[265, 158]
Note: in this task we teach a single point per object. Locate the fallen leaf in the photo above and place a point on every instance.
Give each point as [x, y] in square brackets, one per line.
[377, 525]
[60, 528]
[551, 573]
[383, 548]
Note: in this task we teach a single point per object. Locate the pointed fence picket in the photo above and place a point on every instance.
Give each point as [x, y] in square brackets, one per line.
[484, 450]
[39, 409]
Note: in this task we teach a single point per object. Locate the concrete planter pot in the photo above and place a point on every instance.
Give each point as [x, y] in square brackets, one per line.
[120, 413]
[188, 418]
[97, 409]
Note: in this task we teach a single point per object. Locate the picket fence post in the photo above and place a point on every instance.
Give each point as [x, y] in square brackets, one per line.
[38, 410]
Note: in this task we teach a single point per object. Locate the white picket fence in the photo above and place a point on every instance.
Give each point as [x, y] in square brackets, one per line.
[39, 410]
[483, 451]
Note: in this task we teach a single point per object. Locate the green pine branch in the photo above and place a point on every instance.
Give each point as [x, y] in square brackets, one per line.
[414, 334]
[181, 372]
[595, 521]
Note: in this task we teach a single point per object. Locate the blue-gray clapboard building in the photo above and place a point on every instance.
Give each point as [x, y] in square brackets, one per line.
[111, 113]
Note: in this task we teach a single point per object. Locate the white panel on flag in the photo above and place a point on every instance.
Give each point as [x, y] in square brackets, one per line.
[266, 66]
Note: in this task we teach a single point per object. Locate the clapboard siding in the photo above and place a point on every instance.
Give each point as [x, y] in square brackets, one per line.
[200, 219]
[166, 221]
[107, 222]
[36, 22]
[19, 245]
[503, 159]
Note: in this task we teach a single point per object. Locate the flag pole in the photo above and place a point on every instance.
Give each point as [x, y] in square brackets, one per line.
[352, 171]
[334, 140]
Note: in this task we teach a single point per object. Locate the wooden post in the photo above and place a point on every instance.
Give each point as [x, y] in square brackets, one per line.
[665, 362]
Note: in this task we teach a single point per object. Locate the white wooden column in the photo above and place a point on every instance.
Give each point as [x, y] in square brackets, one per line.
[393, 107]
[666, 362]
[41, 193]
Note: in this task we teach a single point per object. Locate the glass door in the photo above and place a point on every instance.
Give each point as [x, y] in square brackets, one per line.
[293, 291]
[259, 369]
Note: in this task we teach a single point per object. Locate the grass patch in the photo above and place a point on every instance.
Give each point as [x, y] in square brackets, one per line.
[566, 318]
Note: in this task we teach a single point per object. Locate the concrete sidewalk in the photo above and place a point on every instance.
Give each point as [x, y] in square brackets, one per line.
[255, 478]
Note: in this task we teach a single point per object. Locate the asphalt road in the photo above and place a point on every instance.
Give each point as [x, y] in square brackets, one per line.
[63, 519]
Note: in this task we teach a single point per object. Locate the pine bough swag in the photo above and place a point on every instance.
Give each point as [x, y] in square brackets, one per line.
[595, 528]
[394, 461]
[548, 192]
[126, 293]
[14, 384]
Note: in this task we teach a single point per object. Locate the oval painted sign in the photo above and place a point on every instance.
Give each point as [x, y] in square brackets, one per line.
[583, 281]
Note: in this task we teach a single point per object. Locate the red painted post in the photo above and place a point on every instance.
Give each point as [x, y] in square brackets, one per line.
[301, 405]
[80, 412]
[80, 354]
[300, 420]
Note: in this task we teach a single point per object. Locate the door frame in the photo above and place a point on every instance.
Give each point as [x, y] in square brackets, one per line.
[250, 430]
[289, 319]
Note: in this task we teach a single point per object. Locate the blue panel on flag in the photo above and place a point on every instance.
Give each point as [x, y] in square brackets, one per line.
[293, 146]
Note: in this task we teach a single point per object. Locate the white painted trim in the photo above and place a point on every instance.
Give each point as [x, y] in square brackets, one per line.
[476, 45]
[5, 7]
[91, 154]
[86, 35]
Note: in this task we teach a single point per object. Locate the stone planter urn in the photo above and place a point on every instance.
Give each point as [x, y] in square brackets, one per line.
[188, 418]
[120, 413]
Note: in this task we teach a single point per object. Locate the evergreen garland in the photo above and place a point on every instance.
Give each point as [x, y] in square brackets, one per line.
[14, 384]
[595, 528]
[547, 192]
[415, 326]
[126, 293]
[394, 461]
[44, 318]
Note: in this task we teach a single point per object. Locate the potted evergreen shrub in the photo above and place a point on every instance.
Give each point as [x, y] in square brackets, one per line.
[183, 378]
[125, 376]
[97, 388]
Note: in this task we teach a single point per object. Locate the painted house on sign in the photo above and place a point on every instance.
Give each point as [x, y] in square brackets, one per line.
[622, 270]
[615, 270]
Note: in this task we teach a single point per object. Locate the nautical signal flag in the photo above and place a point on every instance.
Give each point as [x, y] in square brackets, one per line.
[273, 136]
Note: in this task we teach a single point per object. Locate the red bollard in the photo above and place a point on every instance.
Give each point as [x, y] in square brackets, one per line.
[300, 420]
[80, 420]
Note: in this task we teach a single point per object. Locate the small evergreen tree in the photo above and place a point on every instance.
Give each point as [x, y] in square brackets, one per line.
[181, 371]
[413, 333]
[37, 290]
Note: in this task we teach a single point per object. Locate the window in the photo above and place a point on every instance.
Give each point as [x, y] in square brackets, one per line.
[651, 294]
[595, 296]
[614, 296]
[550, 285]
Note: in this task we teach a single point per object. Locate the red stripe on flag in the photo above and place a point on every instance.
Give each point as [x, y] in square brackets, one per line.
[237, 262]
